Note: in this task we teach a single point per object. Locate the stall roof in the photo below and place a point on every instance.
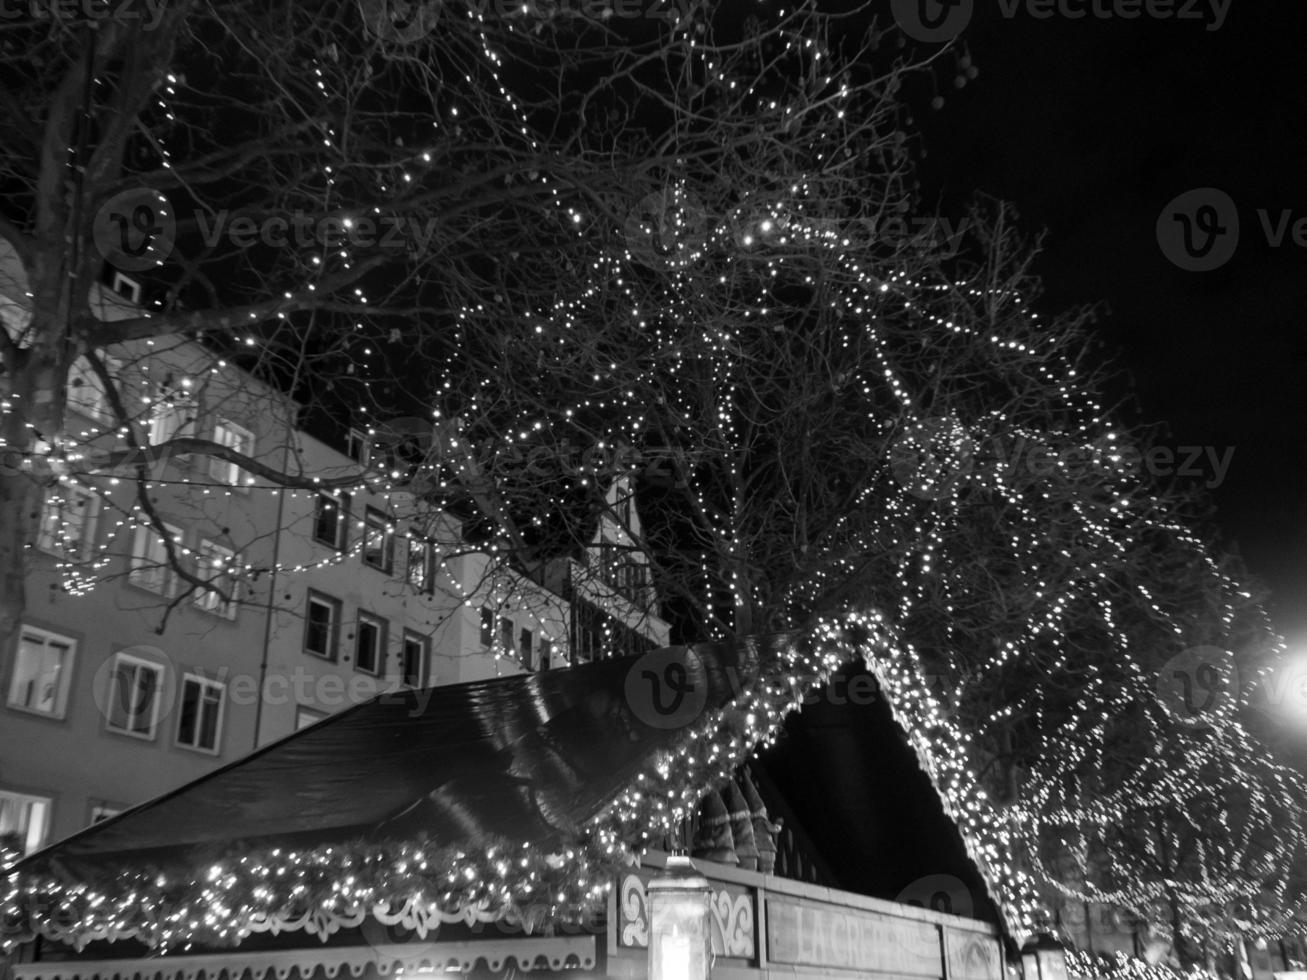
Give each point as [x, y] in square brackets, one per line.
[529, 758]
[529, 761]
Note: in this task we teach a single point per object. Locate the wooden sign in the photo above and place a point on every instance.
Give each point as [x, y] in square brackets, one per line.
[972, 956]
[732, 917]
[816, 934]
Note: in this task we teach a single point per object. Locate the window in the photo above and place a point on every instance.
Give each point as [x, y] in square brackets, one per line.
[86, 394]
[172, 419]
[217, 566]
[359, 447]
[487, 626]
[413, 664]
[41, 672]
[199, 723]
[165, 421]
[526, 647]
[545, 652]
[173, 410]
[330, 520]
[149, 565]
[378, 541]
[421, 565]
[369, 643]
[231, 435]
[304, 717]
[619, 570]
[133, 705]
[100, 813]
[597, 636]
[68, 522]
[506, 635]
[127, 287]
[25, 818]
[321, 624]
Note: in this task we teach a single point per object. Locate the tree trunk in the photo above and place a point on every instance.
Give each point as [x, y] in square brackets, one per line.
[1177, 936]
[33, 395]
[19, 502]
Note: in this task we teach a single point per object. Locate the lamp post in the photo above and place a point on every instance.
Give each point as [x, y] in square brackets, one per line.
[1043, 958]
[680, 943]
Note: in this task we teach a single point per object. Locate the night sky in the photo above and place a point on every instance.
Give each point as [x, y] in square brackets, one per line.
[1091, 127]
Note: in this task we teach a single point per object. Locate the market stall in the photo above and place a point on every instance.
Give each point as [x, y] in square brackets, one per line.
[510, 825]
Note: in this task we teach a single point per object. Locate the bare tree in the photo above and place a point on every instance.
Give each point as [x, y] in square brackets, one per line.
[303, 156]
[827, 420]
[685, 253]
[324, 199]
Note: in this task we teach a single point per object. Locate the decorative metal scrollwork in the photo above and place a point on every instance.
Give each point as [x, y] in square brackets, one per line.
[733, 916]
[635, 911]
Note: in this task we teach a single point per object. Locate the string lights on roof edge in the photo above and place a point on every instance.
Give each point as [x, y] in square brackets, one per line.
[251, 890]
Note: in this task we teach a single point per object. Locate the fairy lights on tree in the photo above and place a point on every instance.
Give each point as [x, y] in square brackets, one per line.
[685, 253]
[276, 177]
[830, 417]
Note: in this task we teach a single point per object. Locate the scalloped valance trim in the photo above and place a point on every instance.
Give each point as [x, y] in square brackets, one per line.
[548, 952]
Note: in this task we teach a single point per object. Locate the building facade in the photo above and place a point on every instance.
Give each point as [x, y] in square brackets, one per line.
[182, 612]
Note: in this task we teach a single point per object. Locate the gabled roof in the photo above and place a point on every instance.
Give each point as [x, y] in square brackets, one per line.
[513, 798]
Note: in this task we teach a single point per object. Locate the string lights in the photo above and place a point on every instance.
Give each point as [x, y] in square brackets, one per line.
[319, 890]
[659, 331]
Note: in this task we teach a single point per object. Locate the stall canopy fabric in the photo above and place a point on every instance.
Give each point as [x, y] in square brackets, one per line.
[478, 799]
[525, 758]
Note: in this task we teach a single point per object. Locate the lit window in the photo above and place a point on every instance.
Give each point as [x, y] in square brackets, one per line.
[421, 562]
[330, 519]
[133, 704]
[149, 565]
[623, 508]
[304, 717]
[25, 819]
[359, 447]
[68, 522]
[199, 723]
[231, 435]
[487, 626]
[217, 566]
[413, 668]
[126, 287]
[41, 672]
[369, 643]
[172, 418]
[378, 541]
[321, 622]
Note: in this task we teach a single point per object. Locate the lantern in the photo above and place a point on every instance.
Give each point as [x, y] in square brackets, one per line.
[680, 944]
[1043, 958]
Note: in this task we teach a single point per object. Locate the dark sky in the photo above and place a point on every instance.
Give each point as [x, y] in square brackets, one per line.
[1091, 127]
